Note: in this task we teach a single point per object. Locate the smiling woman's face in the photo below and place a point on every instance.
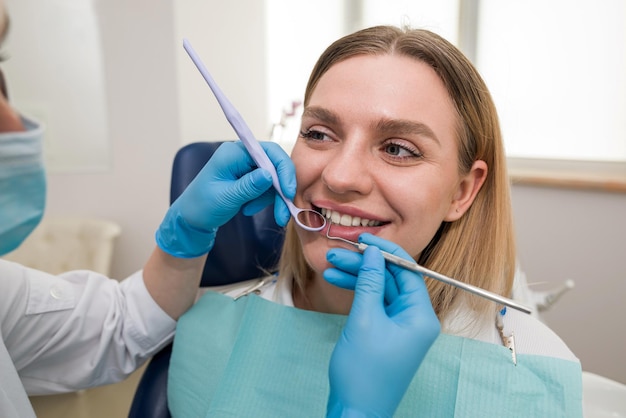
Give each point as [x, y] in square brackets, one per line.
[377, 153]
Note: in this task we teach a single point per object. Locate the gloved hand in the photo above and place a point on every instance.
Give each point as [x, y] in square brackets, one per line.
[382, 344]
[228, 182]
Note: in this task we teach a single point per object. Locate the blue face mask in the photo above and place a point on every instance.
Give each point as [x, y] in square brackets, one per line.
[22, 185]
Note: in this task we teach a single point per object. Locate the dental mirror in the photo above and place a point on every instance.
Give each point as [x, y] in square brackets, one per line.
[307, 219]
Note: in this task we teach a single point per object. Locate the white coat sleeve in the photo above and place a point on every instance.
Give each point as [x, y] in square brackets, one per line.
[79, 329]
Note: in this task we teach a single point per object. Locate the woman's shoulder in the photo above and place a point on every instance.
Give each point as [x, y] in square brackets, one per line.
[530, 334]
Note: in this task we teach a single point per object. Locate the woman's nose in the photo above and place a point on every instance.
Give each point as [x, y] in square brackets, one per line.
[348, 171]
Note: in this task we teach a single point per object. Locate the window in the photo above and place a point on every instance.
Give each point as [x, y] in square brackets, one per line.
[298, 33]
[557, 72]
[440, 16]
[557, 69]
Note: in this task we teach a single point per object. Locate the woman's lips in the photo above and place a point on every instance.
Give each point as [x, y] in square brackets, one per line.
[350, 233]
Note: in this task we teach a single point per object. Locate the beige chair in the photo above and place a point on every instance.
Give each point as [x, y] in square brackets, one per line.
[61, 244]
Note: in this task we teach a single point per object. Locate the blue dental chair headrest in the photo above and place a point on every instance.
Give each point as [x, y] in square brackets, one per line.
[245, 248]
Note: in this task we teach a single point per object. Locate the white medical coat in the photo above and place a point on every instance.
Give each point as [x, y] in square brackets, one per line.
[72, 331]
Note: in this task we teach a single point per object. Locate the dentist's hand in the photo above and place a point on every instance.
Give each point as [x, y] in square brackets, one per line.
[228, 182]
[382, 344]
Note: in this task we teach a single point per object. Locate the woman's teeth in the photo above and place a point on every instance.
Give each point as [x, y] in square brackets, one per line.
[347, 220]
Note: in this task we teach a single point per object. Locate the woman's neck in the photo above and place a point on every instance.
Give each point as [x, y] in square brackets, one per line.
[321, 296]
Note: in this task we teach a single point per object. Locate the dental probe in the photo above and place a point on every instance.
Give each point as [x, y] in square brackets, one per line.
[253, 146]
[399, 261]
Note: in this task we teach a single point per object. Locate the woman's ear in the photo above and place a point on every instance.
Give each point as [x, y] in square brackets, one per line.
[467, 190]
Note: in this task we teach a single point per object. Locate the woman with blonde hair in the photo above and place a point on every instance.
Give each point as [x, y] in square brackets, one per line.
[478, 247]
[400, 148]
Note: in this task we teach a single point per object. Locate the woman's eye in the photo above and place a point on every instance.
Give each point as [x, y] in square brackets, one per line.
[313, 134]
[401, 151]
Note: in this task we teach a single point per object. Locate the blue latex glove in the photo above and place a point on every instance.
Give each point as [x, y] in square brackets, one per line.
[230, 181]
[382, 344]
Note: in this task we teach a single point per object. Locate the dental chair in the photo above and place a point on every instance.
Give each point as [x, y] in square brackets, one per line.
[65, 243]
[245, 248]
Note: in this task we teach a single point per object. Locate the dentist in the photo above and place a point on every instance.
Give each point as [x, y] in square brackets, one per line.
[81, 329]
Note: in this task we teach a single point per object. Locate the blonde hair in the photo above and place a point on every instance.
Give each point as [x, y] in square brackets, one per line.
[479, 247]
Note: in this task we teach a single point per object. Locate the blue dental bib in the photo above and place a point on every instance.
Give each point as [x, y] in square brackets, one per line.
[256, 358]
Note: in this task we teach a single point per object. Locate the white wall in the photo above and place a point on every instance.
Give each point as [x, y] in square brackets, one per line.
[144, 129]
[152, 111]
[157, 101]
[56, 75]
[230, 39]
[579, 235]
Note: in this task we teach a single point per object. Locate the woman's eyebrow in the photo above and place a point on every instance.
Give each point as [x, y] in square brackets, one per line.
[385, 126]
[407, 127]
[320, 113]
